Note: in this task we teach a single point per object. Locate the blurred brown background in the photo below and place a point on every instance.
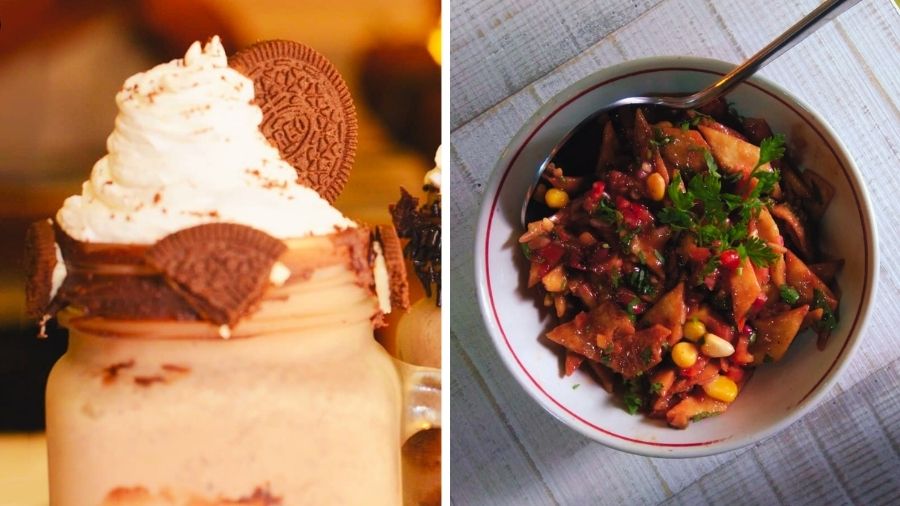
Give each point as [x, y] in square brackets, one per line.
[62, 61]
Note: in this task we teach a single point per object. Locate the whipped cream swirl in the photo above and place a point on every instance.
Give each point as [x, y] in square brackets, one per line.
[187, 150]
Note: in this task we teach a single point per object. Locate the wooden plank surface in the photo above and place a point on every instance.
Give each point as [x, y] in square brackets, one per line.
[497, 48]
[842, 452]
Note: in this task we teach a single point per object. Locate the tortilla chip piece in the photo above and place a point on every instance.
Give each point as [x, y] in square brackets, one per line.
[636, 353]
[669, 311]
[732, 154]
[774, 334]
[802, 278]
[681, 415]
[744, 291]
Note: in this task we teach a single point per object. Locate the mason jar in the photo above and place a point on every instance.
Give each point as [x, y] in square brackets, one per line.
[296, 404]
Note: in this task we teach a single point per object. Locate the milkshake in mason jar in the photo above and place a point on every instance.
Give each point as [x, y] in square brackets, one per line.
[220, 311]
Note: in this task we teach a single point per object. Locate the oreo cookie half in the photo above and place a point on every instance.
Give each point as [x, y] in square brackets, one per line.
[396, 266]
[220, 269]
[308, 113]
[40, 259]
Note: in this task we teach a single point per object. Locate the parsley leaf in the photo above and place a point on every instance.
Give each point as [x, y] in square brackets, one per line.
[771, 148]
[757, 251]
[710, 163]
[789, 294]
[655, 388]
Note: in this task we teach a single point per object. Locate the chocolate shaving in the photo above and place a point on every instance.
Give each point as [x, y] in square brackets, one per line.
[220, 269]
[422, 227]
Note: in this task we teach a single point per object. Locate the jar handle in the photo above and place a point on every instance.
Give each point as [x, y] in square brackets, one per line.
[421, 387]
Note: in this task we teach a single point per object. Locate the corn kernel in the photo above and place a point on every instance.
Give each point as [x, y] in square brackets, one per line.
[555, 280]
[715, 347]
[656, 187]
[684, 354]
[693, 330]
[721, 388]
[556, 198]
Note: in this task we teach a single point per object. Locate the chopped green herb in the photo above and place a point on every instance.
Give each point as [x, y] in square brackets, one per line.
[701, 416]
[575, 386]
[659, 139]
[632, 398]
[688, 123]
[646, 356]
[630, 307]
[615, 278]
[659, 256]
[829, 320]
[641, 257]
[639, 281]
[526, 250]
[655, 388]
[789, 294]
[607, 212]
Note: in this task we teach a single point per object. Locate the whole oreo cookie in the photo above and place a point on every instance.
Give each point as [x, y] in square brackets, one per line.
[308, 113]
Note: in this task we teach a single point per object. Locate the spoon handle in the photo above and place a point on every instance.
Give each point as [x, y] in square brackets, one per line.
[790, 38]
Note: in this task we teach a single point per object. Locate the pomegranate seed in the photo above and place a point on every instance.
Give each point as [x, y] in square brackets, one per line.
[597, 189]
[730, 259]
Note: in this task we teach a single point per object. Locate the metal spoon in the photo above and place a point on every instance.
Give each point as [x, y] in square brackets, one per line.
[791, 37]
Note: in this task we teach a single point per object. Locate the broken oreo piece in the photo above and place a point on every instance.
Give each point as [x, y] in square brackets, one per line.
[40, 259]
[220, 269]
[396, 266]
[308, 113]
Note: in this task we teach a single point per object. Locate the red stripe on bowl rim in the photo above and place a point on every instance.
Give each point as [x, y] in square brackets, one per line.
[515, 157]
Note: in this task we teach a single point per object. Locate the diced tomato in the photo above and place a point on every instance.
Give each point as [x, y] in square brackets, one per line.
[573, 362]
[581, 320]
[633, 214]
[742, 355]
[699, 254]
[597, 189]
[736, 374]
[598, 259]
[548, 257]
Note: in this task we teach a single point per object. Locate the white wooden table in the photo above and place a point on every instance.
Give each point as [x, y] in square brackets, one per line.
[508, 58]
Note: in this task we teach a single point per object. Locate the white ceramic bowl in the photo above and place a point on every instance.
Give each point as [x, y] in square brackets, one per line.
[779, 393]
